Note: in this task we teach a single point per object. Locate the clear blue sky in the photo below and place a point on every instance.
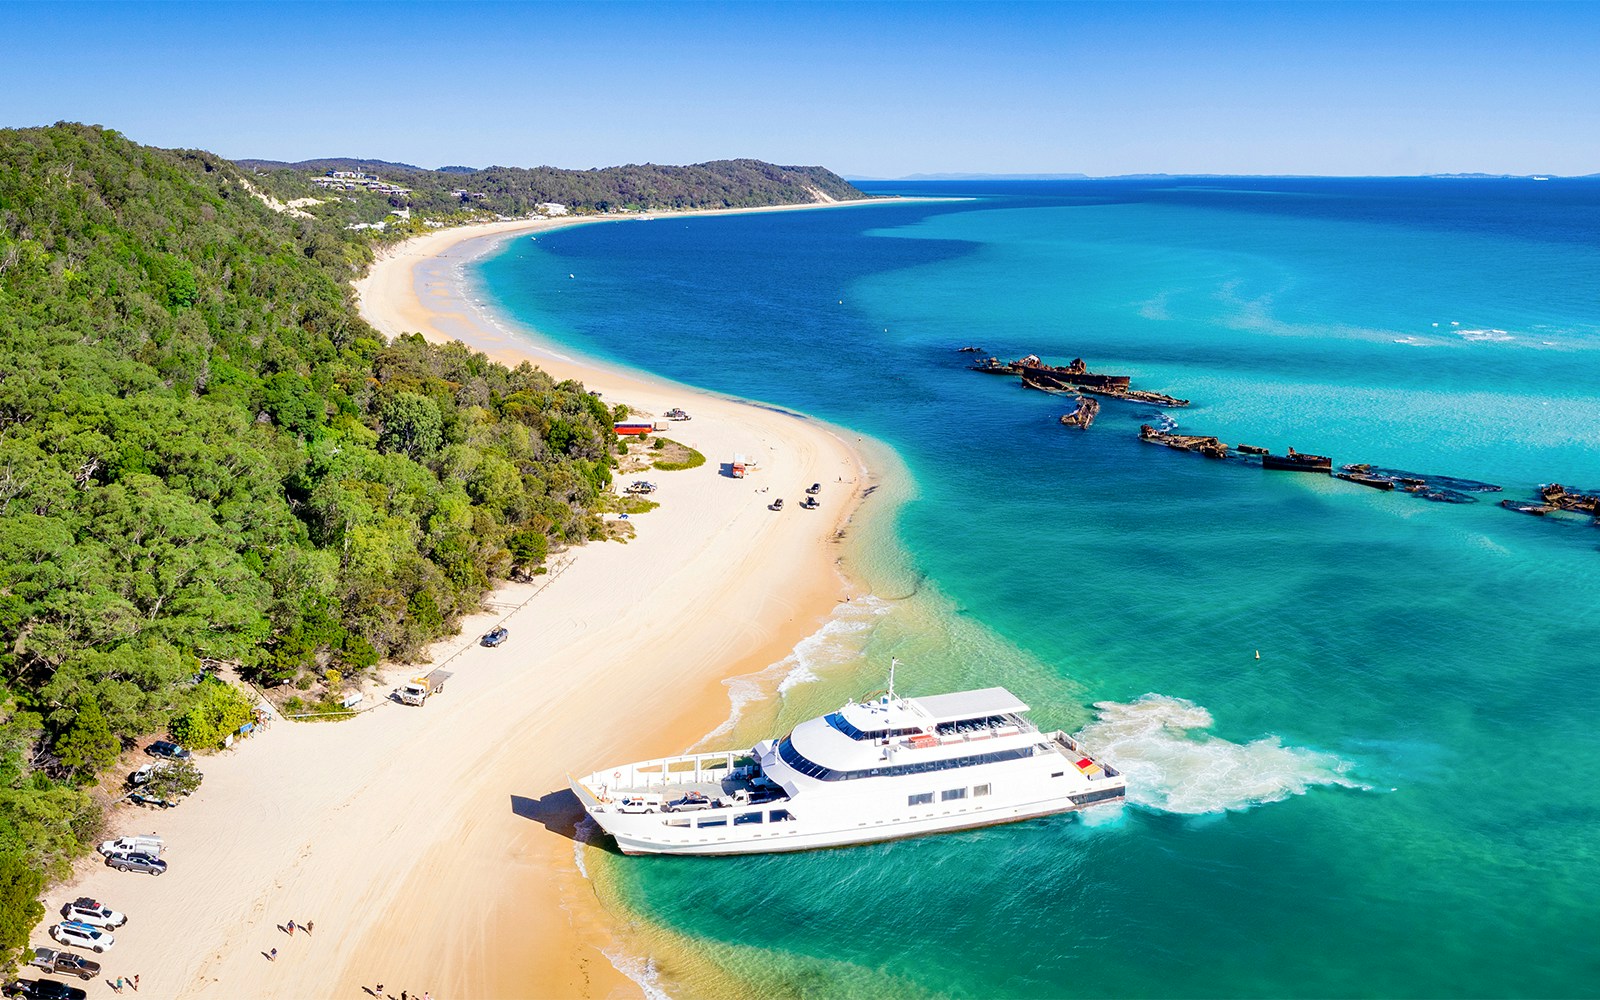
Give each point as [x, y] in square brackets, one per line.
[866, 89]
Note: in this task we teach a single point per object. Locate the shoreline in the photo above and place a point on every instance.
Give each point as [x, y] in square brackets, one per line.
[421, 840]
[419, 288]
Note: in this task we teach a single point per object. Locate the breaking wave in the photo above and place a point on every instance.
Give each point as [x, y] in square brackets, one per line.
[642, 971]
[1173, 765]
[838, 642]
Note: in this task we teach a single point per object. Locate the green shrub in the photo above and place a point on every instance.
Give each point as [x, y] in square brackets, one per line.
[217, 710]
[679, 457]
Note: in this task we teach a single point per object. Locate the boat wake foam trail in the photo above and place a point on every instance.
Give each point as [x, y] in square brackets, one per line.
[1172, 765]
[839, 641]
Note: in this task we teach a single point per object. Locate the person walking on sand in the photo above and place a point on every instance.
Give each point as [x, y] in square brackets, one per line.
[273, 955]
[135, 982]
[309, 925]
[117, 985]
[291, 928]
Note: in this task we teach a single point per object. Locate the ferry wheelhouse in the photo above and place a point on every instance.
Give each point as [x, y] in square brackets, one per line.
[874, 770]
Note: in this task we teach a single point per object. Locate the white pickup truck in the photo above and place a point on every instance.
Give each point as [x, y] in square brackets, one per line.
[138, 844]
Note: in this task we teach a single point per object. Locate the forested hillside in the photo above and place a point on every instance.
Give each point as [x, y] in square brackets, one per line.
[517, 190]
[205, 454]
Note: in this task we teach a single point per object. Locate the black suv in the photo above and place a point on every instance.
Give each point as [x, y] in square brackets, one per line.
[44, 989]
[167, 749]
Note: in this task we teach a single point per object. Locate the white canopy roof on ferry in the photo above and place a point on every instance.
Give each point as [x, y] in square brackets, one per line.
[968, 704]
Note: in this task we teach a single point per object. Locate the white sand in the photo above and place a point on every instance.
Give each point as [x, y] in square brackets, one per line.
[431, 846]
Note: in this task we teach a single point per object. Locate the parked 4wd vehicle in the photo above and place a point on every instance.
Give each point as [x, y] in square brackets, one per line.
[92, 912]
[51, 960]
[167, 749]
[143, 775]
[83, 936]
[138, 843]
[136, 863]
[688, 802]
[43, 989]
[495, 637]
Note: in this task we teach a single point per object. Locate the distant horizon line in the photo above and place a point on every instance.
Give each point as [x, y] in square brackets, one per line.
[1464, 175]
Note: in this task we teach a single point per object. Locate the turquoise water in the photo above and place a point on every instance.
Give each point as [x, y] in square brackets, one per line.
[1395, 799]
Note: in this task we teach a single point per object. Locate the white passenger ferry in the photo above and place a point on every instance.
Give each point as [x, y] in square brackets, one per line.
[875, 770]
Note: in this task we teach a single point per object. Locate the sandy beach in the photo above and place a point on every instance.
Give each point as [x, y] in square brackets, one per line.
[432, 848]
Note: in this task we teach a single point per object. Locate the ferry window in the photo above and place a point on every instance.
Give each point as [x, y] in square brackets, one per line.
[978, 790]
[925, 798]
[778, 816]
[719, 821]
[839, 722]
[795, 759]
[744, 818]
[951, 794]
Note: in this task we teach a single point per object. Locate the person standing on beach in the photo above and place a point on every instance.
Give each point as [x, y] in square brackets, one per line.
[135, 982]
[309, 925]
[273, 956]
[291, 928]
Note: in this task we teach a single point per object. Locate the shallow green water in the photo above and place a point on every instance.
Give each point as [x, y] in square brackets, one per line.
[1392, 801]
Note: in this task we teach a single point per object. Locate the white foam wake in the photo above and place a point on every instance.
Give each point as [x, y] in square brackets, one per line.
[1172, 764]
[839, 641]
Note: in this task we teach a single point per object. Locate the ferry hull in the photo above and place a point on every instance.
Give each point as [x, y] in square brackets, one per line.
[801, 841]
[873, 771]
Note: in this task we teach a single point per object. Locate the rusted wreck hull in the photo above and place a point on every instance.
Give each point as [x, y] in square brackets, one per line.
[1063, 377]
[994, 366]
[1084, 415]
[1365, 479]
[1297, 462]
[1561, 498]
[1208, 446]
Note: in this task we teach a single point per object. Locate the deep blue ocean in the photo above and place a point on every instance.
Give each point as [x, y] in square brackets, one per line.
[1398, 798]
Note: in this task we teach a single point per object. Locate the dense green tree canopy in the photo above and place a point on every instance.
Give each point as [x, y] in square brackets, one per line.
[519, 190]
[205, 454]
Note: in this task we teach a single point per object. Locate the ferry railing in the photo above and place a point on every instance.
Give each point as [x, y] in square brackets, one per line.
[687, 769]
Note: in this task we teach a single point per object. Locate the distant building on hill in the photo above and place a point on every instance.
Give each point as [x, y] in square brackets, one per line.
[355, 180]
[552, 208]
